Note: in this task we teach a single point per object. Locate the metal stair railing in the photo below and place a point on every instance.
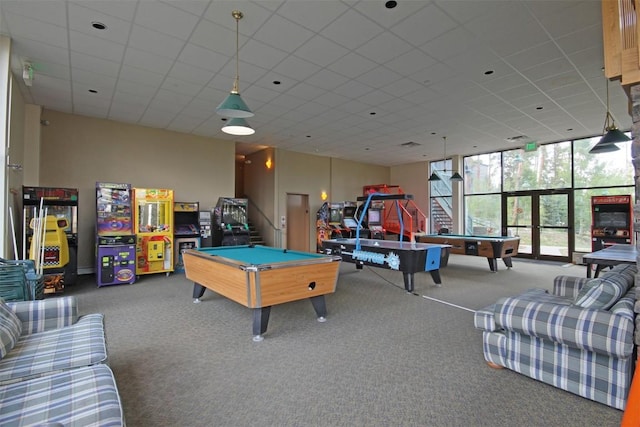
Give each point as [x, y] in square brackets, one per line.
[264, 219]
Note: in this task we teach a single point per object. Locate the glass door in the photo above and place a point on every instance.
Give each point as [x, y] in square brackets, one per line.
[543, 220]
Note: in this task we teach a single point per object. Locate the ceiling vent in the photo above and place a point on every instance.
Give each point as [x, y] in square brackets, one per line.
[519, 139]
[410, 144]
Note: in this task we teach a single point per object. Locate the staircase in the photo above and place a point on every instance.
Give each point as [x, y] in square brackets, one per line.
[254, 235]
[440, 218]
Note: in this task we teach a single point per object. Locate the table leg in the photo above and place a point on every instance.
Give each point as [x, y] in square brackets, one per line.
[260, 322]
[598, 270]
[435, 275]
[588, 270]
[198, 291]
[320, 307]
[493, 264]
[507, 262]
[408, 282]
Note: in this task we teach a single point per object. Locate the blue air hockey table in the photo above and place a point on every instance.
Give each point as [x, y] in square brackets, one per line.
[407, 257]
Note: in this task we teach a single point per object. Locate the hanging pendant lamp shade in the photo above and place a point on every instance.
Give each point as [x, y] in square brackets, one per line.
[434, 177]
[233, 105]
[456, 177]
[238, 126]
[612, 134]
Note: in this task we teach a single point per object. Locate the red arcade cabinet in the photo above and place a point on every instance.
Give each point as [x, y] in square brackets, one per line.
[611, 221]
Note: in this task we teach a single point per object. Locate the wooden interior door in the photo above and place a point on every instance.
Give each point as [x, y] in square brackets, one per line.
[298, 222]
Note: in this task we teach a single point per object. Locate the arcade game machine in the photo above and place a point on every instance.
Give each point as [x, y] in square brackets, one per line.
[187, 232]
[323, 230]
[611, 221]
[153, 225]
[62, 205]
[336, 217]
[115, 239]
[349, 222]
[374, 223]
[204, 222]
[230, 222]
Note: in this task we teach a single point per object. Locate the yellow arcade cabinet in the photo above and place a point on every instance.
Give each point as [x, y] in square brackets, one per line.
[153, 222]
[50, 250]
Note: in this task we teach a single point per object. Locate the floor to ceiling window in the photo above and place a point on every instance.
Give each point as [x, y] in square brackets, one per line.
[609, 174]
[544, 195]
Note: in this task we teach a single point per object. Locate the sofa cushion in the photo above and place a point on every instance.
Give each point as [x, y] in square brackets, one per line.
[43, 353]
[602, 293]
[485, 318]
[79, 397]
[10, 329]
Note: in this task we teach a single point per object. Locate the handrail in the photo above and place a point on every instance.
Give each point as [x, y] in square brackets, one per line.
[277, 233]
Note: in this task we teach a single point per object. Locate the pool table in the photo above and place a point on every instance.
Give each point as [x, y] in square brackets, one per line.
[407, 257]
[259, 277]
[491, 247]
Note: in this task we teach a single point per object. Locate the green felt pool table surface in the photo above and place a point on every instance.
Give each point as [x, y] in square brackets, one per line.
[260, 255]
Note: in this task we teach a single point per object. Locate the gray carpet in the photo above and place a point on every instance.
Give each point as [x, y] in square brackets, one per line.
[383, 358]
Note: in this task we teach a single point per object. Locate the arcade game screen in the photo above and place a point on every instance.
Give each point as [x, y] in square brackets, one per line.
[373, 217]
[335, 216]
[611, 219]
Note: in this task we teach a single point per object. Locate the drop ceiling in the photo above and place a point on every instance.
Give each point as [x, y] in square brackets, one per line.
[348, 79]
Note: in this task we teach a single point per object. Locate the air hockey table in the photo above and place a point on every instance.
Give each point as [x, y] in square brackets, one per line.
[407, 257]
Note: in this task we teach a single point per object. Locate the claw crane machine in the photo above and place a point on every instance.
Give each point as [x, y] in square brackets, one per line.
[59, 249]
[115, 241]
[153, 225]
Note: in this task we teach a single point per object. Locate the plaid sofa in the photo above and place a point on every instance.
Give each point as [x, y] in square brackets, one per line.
[580, 338]
[53, 366]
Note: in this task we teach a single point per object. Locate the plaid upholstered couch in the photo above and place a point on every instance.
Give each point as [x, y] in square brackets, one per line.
[53, 366]
[580, 338]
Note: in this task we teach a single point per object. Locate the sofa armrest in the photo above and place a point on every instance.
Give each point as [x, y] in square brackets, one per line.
[588, 329]
[42, 315]
[568, 286]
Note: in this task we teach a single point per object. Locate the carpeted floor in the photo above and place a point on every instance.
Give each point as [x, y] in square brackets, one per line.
[383, 358]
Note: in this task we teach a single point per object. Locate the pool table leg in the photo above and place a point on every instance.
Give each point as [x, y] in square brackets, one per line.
[408, 282]
[198, 291]
[260, 322]
[320, 307]
[493, 264]
[507, 262]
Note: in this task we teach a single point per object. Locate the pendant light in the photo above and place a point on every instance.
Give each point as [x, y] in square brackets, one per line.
[238, 126]
[611, 133]
[456, 177]
[233, 106]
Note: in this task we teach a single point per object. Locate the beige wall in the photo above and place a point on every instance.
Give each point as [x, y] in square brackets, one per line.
[259, 186]
[16, 156]
[299, 173]
[77, 151]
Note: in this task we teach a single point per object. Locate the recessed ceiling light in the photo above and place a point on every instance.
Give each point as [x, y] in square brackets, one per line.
[98, 25]
[224, 119]
[276, 82]
[93, 91]
[433, 133]
[391, 4]
[308, 136]
[373, 113]
[539, 108]
[488, 72]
